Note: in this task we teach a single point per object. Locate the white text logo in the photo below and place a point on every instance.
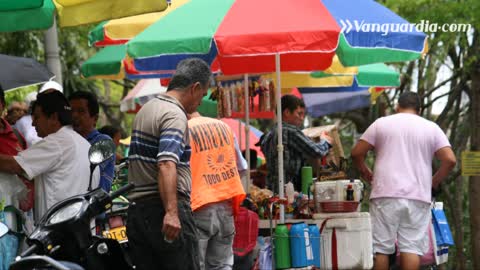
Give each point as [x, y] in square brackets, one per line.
[385, 28]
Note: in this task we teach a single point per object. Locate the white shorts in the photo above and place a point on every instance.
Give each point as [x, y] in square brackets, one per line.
[402, 220]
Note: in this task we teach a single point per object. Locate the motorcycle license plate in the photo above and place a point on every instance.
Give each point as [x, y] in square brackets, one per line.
[119, 234]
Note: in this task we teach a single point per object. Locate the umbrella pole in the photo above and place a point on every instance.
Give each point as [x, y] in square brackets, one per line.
[52, 54]
[240, 137]
[247, 130]
[280, 137]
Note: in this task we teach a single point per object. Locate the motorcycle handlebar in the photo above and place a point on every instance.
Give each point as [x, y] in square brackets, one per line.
[121, 166]
[32, 249]
[122, 190]
[123, 160]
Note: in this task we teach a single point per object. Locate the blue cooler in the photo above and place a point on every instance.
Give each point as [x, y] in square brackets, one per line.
[314, 234]
[300, 246]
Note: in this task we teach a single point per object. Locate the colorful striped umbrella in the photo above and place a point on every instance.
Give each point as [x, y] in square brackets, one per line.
[355, 44]
[38, 14]
[378, 75]
[110, 63]
[244, 35]
[368, 75]
[370, 81]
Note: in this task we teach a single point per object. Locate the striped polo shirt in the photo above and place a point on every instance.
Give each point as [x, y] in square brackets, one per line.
[160, 133]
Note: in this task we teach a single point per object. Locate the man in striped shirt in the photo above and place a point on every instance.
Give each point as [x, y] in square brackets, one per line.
[160, 225]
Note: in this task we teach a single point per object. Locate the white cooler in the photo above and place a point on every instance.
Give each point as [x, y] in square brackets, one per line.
[333, 194]
[346, 240]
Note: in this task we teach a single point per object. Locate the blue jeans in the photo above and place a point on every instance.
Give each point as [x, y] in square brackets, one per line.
[148, 248]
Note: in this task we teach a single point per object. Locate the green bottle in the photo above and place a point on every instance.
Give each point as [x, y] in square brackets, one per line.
[282, 247]
[307, 179]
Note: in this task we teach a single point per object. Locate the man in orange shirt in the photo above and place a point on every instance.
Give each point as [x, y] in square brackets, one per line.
[217, 192]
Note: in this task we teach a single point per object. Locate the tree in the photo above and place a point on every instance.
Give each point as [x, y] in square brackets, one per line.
[474, 187]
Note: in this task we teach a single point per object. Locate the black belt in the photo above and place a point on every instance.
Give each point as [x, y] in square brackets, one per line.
[156, 196]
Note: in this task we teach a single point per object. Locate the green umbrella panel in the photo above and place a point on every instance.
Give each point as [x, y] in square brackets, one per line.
[9, 5]
[21, 15]
[208, 107]
[351, 56]
[379, 75]
[105, 64]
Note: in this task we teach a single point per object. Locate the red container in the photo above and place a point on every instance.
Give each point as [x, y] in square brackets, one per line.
[246, 232]
[337, 207]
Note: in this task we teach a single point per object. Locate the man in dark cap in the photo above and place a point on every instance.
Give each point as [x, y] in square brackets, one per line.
[59, 162]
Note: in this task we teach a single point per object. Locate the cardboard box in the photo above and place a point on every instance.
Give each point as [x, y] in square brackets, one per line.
[336, 153]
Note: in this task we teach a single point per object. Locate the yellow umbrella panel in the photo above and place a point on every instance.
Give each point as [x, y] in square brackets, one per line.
[78, 12]
[335, 76]
[119, 31]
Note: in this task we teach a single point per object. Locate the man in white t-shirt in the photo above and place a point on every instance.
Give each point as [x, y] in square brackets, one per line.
[59, 162]
[404, 145]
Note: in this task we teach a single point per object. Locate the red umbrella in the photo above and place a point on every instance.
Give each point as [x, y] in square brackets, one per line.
[238, 128]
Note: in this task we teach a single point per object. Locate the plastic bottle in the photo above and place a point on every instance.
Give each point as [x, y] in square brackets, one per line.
[307, 179]
[300, 246]
[350, 195]
[233, 96]
[241, 97]
[266, 96]
[289, 191]
[282, 247]
[261, 100]
[314, 234]
[227, 102]
[271, 89]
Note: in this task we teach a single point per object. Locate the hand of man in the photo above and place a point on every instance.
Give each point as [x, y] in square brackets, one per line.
[171, 226]
[366, 174]
[326, 136]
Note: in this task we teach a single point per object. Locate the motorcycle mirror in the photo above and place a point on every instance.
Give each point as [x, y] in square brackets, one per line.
[3, 229]
[101, 151]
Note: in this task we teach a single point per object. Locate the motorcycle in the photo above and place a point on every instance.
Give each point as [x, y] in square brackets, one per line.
[113, 224]
[63, 238]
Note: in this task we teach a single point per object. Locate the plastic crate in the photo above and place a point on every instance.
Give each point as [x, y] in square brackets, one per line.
[246, 232]
[339, 206]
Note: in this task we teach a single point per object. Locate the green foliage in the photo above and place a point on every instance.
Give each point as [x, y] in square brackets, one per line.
[26, 44]
[19, 94]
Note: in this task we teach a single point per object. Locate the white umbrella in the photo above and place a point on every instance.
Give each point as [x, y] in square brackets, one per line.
[145, 90]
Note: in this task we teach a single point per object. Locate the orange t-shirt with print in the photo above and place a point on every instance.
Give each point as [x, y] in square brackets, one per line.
[213, 164]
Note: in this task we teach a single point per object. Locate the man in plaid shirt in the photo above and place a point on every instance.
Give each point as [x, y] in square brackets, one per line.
[297, 147]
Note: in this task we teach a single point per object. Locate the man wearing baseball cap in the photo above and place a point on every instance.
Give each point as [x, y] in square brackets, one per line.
[59, 162]
[50, 86]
